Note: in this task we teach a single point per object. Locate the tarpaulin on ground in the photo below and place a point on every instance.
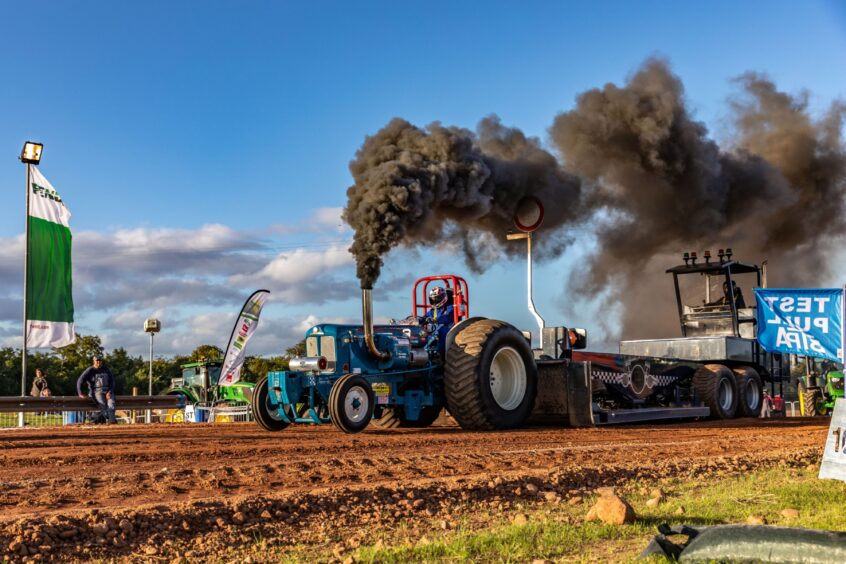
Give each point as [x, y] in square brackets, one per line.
[803, 321]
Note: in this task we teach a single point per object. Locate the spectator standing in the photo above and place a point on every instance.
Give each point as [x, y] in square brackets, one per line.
[101, 385]
[767, 405]
[39, 385]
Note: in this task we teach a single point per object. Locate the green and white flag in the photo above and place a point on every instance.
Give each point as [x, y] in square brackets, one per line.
[49, 306]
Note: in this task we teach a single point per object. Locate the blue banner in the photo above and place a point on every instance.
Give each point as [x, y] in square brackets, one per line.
[803, 321]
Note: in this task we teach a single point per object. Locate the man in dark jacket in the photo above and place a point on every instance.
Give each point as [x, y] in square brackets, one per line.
[101, 384]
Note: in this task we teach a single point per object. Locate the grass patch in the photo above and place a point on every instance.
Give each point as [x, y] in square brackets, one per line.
[558, 532]
[515, 543]
[31, 419]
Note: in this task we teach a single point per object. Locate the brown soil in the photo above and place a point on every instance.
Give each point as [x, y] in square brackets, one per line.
[195, 489]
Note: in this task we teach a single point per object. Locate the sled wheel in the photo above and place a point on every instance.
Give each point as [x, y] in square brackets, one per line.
[716, 386]
[750, 392]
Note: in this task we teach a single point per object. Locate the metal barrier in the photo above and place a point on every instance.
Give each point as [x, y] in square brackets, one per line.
[793, 409]
[66, 410]
[225, 413]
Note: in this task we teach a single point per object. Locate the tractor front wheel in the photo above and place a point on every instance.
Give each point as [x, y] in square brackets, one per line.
[394, 418]
[264, 413]
[812, 398]
[490, 376]
[351, 403]
[750, 391]
[716, 386]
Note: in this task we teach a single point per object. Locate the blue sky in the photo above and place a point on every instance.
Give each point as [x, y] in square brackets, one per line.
[202, 127]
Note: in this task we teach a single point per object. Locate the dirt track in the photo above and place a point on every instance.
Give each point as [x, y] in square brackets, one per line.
[76, 477]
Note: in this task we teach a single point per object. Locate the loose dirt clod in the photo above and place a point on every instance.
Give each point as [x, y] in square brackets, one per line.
[756, 520]
[789, 513]
[521, 519]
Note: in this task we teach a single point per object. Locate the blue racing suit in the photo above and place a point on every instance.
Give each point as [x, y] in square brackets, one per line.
[444, 320]
[101, 382]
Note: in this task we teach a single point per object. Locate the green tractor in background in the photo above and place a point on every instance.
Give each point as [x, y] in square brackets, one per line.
[821, 385]
[199, 386]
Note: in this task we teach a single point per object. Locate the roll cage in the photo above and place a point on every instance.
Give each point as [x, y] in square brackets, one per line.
[457, 292]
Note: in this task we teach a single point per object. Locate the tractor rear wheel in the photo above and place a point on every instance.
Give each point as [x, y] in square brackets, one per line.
[351, 403]
[490, 376]
[716, 386]
[394, 418]
[264, 414]
[750, 392]
[812, 398]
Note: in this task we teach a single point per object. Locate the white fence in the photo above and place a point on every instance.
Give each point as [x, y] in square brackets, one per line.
[224, 413]
[791, 409]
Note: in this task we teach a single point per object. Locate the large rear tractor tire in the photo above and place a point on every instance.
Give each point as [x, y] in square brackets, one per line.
[716, 386]
[812, 399]
[264, 414]
[351, 403]
[750, 392]
[490, 377]
[394, 418]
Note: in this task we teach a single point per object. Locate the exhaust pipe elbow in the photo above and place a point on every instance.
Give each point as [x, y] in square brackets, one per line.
[367, 320]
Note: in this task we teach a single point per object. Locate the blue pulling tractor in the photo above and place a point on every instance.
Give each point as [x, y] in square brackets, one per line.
[402, 375]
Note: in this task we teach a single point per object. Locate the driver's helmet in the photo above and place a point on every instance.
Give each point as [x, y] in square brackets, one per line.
[437, 297]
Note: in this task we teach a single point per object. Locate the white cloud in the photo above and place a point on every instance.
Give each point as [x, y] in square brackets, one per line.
[193, 280]
[321, 220]
[305, 275]
[301, 265]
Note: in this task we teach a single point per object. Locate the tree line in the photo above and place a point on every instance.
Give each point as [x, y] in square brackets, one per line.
[63, 366]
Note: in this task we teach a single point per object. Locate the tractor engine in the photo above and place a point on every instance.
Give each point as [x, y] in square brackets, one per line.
[398, 354]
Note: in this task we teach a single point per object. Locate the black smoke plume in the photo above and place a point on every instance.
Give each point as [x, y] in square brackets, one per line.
[427, 185]
[633, 165]
[661, 186]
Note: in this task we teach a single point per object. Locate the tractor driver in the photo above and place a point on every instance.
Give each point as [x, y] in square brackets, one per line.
[735, 293]
[739, 302]
[441, 313]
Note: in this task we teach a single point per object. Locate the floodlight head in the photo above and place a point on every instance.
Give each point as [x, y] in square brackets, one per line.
[31, 153]
[152, 326]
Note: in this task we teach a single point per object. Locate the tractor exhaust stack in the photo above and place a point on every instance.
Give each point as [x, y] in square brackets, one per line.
[367, 320]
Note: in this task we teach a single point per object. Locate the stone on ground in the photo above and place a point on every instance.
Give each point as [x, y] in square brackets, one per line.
[611, 509]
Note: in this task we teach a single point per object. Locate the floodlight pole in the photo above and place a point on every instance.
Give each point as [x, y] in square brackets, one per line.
[26, 275]
[150, 388]
[151, 326]
[150, 384]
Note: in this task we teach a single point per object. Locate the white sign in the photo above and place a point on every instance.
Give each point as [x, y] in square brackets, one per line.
[834, 458]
